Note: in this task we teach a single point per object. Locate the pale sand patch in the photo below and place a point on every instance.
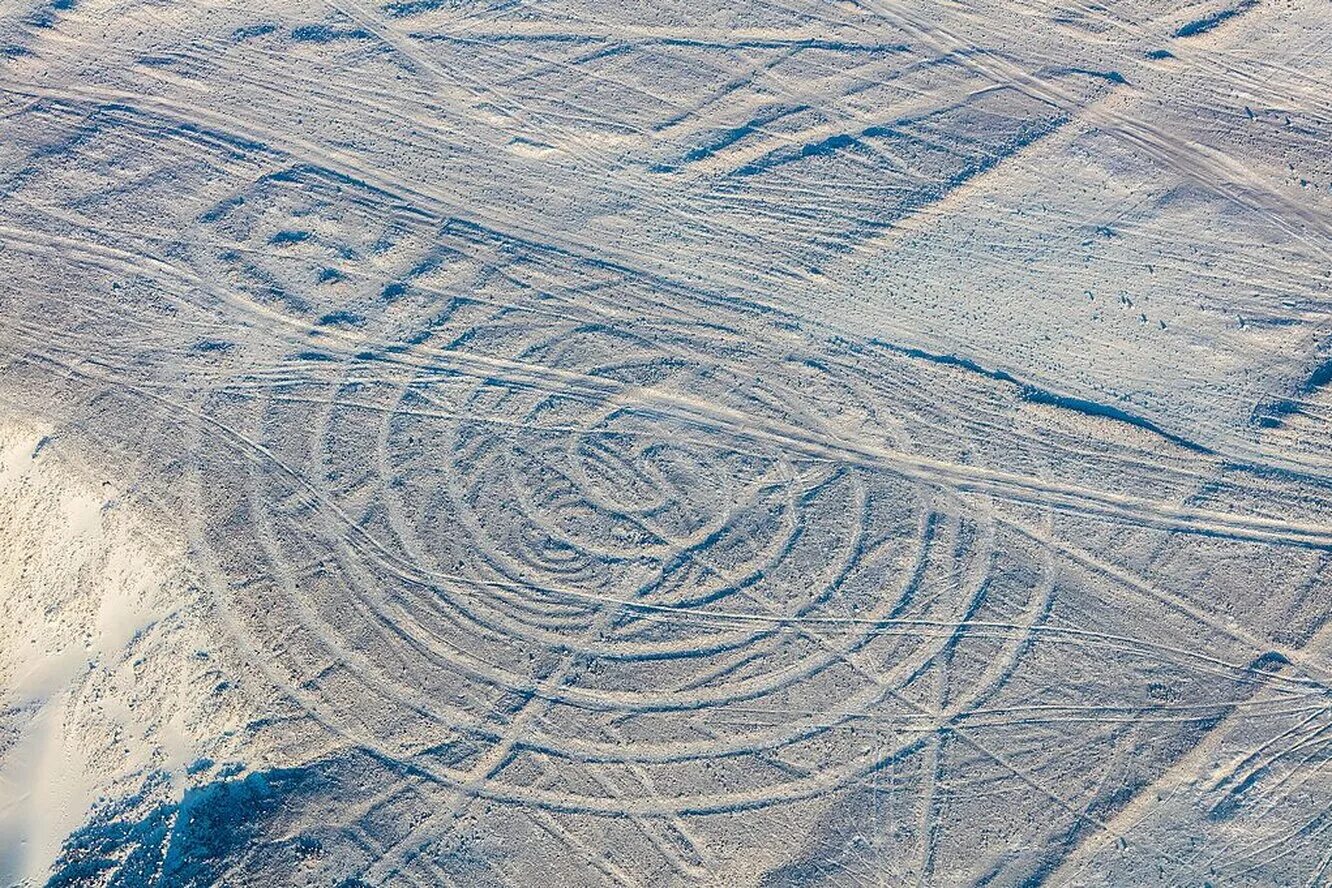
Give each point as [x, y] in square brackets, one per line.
[81, 587]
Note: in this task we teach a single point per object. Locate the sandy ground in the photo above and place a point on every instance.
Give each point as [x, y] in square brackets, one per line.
[560, 443]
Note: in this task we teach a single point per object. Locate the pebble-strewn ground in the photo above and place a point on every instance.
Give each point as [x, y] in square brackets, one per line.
[575, 443]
